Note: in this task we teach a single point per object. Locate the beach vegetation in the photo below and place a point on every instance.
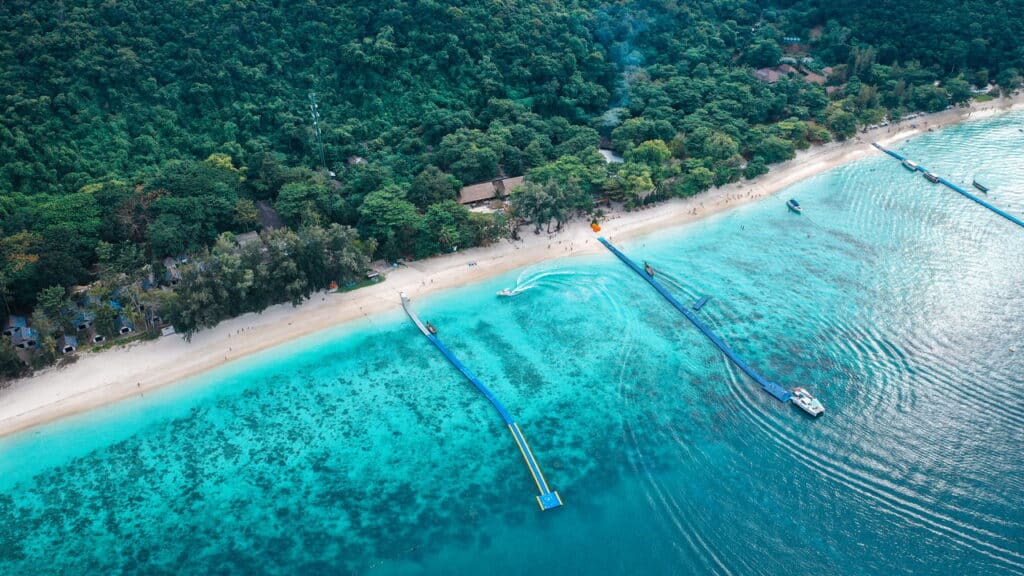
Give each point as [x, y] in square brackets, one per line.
[138, 131]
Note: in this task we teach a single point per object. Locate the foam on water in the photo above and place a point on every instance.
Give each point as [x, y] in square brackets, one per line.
[898, 302]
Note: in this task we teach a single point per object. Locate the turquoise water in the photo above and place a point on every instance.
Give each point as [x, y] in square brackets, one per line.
[898, 302]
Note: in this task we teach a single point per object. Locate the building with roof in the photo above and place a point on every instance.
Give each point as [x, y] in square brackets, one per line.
[124, 325]
[770, 75]
[26, 338]
[83, 320]
[14, 324]
[485, 191]
[67, 344]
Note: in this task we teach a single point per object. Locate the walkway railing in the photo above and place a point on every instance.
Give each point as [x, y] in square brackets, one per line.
[770, 387]
[956, 188]
[548, 498]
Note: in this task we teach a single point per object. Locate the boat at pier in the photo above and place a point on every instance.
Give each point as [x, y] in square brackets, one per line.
[931, 177]
[910, 165]
[805, 401]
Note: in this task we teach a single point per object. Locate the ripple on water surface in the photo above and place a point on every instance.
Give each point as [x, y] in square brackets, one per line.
[361, 451]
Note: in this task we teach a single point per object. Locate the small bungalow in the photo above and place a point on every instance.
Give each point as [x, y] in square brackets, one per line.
[14, 324]
[172, 276]
[148, 283]
[26, 338]
[67, 344]
[96, 338]
[769, 75]
[814, 78]
[484, 191]
[124, 325]
[505, 186]
[477, 193]
[83, 320]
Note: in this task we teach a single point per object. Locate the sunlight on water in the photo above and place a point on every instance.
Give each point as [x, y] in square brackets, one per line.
[898, 302]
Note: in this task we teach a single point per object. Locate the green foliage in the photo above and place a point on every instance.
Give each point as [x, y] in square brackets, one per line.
[10, 365]
[391, 220]
[774, 149]
[162, 126]
[651, 153]
[284, 266]
[755, 168]
[432, 186]
[302, 203]
[51, 301]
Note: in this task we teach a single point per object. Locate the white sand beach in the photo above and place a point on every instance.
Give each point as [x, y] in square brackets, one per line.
[129, 371]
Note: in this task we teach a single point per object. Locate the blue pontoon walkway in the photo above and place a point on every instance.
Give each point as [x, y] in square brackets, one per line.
[955, 188]
[548, 498]
[770, 387]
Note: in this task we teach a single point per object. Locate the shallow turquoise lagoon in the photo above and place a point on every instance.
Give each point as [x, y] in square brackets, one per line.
[361, 451]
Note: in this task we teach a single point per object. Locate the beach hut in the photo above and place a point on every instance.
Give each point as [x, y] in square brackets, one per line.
[124, 325]
[26, 338]
[83, 320]
[474, 193]
[96, 337]
[14, 324]
[67, 344]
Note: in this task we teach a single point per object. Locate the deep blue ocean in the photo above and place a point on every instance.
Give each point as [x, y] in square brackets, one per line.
[362, 451]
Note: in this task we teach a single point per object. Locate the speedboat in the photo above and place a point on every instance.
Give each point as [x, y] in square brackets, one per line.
[979, 185]
[910, 165]
[807, 402]
[648, 269]
[794, 206]
[506, 292]
[931, 177]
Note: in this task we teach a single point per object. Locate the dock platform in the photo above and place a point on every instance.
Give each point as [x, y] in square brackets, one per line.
[773, 388]
[548, 498]
[952, 186]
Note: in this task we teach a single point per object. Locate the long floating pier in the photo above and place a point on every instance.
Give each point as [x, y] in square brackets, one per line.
[770, 387]
[955, 188]
[548, 498]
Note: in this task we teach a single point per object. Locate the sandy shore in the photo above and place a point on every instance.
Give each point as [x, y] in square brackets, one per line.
[129, 371]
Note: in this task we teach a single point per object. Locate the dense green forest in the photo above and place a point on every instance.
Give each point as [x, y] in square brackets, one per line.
[132, 131]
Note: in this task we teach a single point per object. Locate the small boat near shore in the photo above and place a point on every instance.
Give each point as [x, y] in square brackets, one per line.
[931, 177]
[910, 165]
[794, 206]
[431, 328]
[805, 401]
[649, 269]
[505, 292]
[979, 186]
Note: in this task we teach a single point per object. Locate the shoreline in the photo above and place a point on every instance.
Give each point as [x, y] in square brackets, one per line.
[99, 379]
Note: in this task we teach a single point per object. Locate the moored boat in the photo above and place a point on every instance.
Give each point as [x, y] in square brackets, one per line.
[431, 328]
[794, 206]
[979, 186]
[805, 401]
[648, 269]
[910, 165]
[931, 177]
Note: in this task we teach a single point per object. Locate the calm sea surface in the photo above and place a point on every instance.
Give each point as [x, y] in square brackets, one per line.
[361, 451]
